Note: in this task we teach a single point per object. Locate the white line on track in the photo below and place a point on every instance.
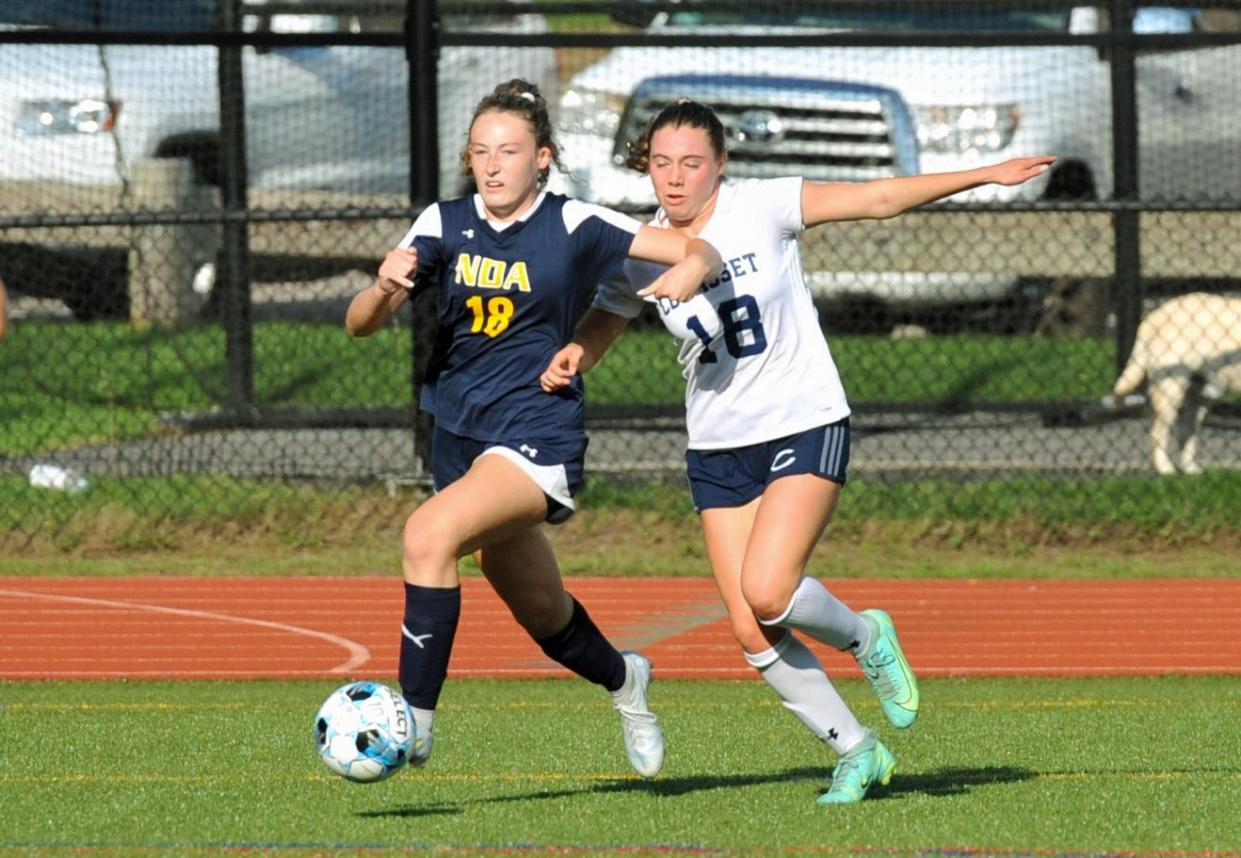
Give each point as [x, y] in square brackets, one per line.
[358, 654]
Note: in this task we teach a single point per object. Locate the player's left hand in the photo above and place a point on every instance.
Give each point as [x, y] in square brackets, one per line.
[1018, 170]
[563, 367]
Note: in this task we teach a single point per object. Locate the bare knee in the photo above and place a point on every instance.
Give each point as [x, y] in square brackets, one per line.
[427, 550]
[768, 598]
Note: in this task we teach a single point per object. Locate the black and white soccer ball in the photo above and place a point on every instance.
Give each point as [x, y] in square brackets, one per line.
[365, 731]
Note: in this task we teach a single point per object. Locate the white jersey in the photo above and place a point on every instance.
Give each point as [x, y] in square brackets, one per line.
[756, 363]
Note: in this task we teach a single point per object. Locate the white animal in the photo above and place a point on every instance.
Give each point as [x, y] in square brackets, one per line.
[1189, 351]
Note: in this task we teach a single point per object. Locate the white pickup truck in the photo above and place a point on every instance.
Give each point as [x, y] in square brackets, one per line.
[968, 106]
[330, 124]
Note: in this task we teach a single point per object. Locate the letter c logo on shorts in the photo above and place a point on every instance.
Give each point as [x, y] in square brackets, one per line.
[782, 460]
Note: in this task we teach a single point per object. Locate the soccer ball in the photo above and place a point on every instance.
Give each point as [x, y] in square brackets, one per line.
[365, 731]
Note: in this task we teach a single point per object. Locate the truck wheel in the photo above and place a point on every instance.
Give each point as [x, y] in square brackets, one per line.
[203, 150]
[93, 284]
[98, 305]
[1071, 181]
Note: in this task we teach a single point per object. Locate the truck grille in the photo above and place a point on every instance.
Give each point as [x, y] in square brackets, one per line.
[822, 130]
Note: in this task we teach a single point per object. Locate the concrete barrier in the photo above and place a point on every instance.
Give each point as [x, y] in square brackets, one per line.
[164, 258]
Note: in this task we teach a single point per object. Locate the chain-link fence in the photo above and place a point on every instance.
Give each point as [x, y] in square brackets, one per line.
[192, 193]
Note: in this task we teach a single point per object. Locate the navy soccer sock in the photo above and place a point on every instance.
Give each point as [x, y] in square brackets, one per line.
[427, 632]
[582, 648]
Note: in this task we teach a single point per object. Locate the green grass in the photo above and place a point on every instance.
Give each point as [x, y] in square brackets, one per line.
[1007, 765]
[1181, 508]
[560, 22]
[1192, 505]
[66, 385]
[963, 368]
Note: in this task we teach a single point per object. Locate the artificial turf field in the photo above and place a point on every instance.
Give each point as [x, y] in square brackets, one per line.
[997, 766]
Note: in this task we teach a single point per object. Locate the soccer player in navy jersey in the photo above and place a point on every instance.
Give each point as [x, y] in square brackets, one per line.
[513, 267]
[767, 415]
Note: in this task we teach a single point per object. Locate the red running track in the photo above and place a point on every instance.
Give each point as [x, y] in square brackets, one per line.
[218, 628]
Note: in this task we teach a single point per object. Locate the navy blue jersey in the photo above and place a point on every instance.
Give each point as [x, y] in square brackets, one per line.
[508, 301]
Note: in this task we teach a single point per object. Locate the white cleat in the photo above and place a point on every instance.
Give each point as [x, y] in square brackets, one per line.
[644, 740]
[422, 750]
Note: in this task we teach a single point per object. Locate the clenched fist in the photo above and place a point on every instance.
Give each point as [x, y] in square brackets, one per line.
[398, 269]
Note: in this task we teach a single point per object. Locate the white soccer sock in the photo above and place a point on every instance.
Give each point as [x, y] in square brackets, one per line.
[424, 720]
[424, 736]
[817, 613]
[804, 689]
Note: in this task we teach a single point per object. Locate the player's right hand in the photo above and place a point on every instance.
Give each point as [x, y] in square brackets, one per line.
[563, 367]
[1017, 170]
[398, 269]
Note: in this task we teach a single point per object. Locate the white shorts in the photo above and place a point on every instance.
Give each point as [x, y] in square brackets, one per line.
[552, 479]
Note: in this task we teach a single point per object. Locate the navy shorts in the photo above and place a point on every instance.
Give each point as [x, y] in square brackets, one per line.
[731, 478]
[557, 467]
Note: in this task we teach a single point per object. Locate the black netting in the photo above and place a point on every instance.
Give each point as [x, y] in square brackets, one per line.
[192, 193]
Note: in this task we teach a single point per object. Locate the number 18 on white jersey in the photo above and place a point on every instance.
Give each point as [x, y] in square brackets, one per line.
[757, 366]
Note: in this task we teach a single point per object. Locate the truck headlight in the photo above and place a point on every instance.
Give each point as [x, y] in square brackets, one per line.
[590, 111]
[62, 116]
[967, 128]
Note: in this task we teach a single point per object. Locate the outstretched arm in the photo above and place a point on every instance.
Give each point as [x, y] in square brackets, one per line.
[595, 333]
[885, 198]
[669, 247]
[371, 308]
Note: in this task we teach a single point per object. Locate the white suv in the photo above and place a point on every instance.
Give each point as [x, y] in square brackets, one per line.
[969, 106]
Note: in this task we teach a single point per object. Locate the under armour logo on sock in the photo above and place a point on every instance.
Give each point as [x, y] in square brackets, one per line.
[417, 639]
[832, 734]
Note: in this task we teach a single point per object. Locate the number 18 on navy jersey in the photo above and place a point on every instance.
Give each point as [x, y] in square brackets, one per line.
[508, 301]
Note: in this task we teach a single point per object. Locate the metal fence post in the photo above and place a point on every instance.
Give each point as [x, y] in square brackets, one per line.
[422, 51]
[235, 250]
[1125, 223]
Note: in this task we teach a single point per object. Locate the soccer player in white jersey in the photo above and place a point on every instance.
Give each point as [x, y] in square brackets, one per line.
[513, 268]
[767, 416]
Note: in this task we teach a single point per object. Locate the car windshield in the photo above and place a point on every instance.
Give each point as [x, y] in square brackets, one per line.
[919, 20]
[110, 14]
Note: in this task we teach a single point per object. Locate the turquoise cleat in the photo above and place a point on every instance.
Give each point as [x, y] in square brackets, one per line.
[888, 671]
[869, 764]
